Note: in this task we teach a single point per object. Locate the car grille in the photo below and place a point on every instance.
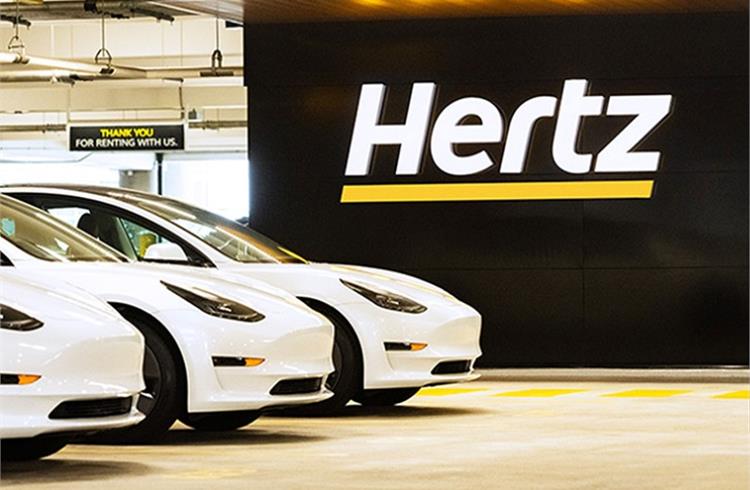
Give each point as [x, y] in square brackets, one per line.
[452, 367]
[83, 409]
[297, 386]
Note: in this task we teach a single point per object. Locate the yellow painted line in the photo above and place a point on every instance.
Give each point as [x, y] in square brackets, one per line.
[739, 395]
[213, 473]
[646, 393]
[447, 391]
[498, 191]
[539, 393]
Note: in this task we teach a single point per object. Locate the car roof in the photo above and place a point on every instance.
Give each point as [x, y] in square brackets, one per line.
[93, 189]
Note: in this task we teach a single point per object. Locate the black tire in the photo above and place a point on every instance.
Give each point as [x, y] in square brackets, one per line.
[346, 380]
[30, 449]
[219, 421]
[384, 398]
[163, 399]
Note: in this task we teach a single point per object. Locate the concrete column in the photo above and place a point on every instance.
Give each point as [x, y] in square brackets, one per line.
[140, 180]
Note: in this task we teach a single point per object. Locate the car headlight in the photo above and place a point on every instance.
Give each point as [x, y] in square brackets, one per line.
[385, 299]
[12, 319]
[215, 305]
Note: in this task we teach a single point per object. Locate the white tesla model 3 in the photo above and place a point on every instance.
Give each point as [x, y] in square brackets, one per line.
[217, 352]
[394, 333]
[69, 364]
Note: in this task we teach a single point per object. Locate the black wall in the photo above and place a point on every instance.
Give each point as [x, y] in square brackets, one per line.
[662, 281]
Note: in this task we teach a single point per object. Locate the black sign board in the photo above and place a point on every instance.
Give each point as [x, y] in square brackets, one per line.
[130, 137]
[564, 282]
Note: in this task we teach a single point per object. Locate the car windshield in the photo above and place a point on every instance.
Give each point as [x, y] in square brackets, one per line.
[42, 236]
[232, 239]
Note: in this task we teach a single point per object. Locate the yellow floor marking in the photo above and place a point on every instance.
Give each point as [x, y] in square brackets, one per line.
[741, 394]
[539, 393]
[646, 393]
[447, 391]
[212, 474]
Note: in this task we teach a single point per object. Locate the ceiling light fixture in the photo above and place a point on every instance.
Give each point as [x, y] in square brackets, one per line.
[103, 56]
[16, 45]
[217, 60]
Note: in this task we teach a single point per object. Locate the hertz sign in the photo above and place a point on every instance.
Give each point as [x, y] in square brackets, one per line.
[136, 137]
[448, 130]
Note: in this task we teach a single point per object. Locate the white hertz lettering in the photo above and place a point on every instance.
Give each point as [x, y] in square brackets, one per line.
[574, 104]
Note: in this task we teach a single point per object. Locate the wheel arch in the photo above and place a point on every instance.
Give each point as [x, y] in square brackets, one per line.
[339, 320]
[129, 312]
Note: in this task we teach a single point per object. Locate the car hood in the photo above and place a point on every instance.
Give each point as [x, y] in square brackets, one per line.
[323, 281]
[384, 278]
[60, 299]
[141, 285]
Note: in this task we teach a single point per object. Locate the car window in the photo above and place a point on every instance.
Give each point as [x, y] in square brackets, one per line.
[141, 237]
[237, 242]
[71, 215]
[101, 225]
[47, 238]
[128, 237]
[124, 230]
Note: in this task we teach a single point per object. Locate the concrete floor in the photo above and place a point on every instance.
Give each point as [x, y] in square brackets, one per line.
[540, 435]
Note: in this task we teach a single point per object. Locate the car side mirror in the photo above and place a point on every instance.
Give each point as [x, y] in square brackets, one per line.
[165, 252]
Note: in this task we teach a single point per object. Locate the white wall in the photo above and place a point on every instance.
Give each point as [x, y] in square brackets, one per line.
[219, 183]
[57, 173]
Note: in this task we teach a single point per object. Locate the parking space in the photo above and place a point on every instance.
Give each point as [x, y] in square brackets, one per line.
[551, 435]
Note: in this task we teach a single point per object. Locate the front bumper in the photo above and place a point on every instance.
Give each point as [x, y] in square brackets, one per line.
[290, 352]
[451, 333]
[80, 366]
[28, 416]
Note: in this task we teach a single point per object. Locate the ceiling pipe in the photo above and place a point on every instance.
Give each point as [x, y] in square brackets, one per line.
[11, 58]
[34, 128]
[59, 128]
[177, 74]
[198, 8]
[44, 76]
[227, 71]
[71, 66]
[61, 9]
[217, 124]
[51, 67]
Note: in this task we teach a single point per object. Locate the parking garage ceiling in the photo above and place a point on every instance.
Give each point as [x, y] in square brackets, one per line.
[38, 10]
[270, 11]
[318, 10]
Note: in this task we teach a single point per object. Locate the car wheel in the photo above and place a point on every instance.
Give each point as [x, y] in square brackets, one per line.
[30, 449]
[220, 421]
[161, 401]
[384, 398]
[346, 379]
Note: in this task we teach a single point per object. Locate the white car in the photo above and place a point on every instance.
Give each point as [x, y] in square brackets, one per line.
[69, 364]
[217, 351]
[394, 333]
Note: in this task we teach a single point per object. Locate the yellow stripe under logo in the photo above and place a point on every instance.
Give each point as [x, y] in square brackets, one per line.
[498, 191]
